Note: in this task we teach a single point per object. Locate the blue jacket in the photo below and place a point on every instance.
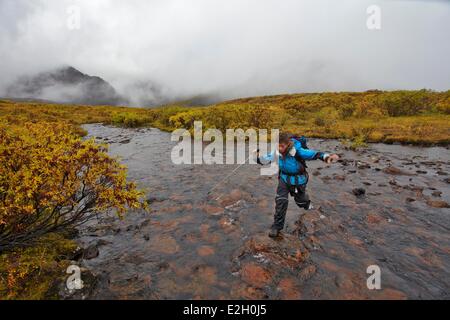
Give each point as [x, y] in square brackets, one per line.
[291, 170]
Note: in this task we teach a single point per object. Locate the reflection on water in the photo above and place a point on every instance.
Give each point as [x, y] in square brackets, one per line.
[194, 246]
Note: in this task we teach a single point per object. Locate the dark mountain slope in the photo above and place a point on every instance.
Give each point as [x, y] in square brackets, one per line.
[65, 85]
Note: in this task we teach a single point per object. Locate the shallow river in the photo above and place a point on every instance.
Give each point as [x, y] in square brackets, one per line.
[192, 246]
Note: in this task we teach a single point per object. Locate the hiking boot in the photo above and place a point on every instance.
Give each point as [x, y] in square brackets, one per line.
[274, 232]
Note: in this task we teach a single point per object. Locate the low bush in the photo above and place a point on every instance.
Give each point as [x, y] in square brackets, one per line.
[51, 180]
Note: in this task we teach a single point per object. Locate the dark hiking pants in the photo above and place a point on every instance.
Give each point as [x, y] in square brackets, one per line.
[282, 201]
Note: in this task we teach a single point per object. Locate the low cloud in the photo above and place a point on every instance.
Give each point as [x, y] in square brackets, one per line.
[167, 49]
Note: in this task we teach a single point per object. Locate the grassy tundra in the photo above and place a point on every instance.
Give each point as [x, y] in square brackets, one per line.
[417, 117]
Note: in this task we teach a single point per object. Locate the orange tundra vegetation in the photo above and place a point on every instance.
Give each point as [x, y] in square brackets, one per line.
[51, 181]
[418, 117]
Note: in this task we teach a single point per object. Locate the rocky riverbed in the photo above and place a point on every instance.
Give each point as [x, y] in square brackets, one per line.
[387, 205]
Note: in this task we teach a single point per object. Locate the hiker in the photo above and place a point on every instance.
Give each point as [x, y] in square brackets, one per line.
[293, 178]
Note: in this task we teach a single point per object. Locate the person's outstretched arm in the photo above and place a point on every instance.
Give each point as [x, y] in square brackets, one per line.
[309, 154]
[266, 159]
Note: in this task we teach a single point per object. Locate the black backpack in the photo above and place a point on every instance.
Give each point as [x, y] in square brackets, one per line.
[304, 142]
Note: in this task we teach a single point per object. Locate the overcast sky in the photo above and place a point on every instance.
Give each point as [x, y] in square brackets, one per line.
[233, 47]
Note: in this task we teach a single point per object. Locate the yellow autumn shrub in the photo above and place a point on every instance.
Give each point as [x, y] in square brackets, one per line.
[51, 180]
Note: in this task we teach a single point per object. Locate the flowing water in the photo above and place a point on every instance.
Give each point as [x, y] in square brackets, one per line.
[192, 246]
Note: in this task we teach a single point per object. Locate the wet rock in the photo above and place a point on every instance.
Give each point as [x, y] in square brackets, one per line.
[307, 273]
[359, 192]
[263, 204]
[441, 173]
[166, 226]
[77, 255]
[255, 275]
[362, 165]
[204, 251]
[356, 242]
[339, 177]
[289, 289]
[177, 197]
[288, 251]
[330, 266]
[343, 282]
[103, 242]
[154, 199]
[438, 204]
[191, 237]
[213, 210]
[101, 230]
[59, 288]
[437, 194]
[206, 274]
[227, 224]
[235, 207]
[396, 171]
[172, 209]
[394, 183]
[417, 189]
[204, 230]
[212, 237]
[246, 292]
[236, 194]
[391, 294]
[91, 252]
[231, 198]
[164, 244]
[373, 218]
[131, 228]
[345, 162]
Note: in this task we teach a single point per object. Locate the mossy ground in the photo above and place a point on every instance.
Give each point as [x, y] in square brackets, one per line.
[30, 273]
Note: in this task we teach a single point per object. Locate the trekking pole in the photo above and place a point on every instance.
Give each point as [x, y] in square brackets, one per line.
[229, 176]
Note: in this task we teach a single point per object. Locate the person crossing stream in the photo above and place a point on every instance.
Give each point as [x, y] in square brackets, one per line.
[190, 247]
[293, 176]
